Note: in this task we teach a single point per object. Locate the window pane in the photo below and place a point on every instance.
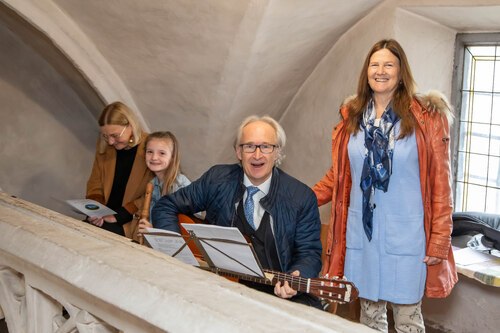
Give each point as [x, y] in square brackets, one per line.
[483, 80]
[465, 114]
[493, 201]
[476, 196]
[461, 166]
[494, 172]
[481, 107]
[459, 197]
[480, 137]
[464, 139]
[495, 140]
[484, 51]
[496, 85]
[478, 169]
[495, 117]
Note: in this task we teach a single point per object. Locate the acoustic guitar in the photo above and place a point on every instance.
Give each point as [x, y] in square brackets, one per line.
[333, 290]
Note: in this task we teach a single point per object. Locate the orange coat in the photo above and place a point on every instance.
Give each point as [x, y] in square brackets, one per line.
[101, 180]
[432, 134]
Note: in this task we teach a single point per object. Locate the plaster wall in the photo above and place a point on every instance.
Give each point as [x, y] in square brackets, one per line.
[430, 48]
[471, 307]
[47, 133]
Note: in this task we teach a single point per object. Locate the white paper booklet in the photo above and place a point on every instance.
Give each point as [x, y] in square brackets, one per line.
[90, 208]
[170, 243]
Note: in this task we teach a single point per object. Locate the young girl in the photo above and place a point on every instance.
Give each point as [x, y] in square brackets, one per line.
[162, 158]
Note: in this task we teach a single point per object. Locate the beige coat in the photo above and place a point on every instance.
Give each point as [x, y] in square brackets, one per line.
[101, 181]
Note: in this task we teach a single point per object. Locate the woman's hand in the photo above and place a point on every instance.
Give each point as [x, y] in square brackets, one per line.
[97, 221]
[109, 218]
[430, 261]
[143, 224]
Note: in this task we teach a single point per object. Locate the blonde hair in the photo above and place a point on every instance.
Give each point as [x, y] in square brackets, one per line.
[402, 96]
[280, 134]
[174, 168]
[117, 113]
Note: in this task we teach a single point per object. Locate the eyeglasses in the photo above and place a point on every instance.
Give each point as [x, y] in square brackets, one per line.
[265, 148]
[113, 136]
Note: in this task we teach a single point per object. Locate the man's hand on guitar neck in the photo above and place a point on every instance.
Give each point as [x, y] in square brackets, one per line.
[285, 291]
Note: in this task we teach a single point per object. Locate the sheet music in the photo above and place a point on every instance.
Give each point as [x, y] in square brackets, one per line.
[227, 248]
[90, 208]
[170, 242]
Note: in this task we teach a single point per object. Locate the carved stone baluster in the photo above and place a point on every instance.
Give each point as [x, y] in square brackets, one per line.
[80, 321]
[12, 299]
[87, 323]
[41, 310]
[68, 325]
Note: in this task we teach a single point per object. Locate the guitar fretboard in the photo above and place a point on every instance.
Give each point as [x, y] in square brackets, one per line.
[335, 290]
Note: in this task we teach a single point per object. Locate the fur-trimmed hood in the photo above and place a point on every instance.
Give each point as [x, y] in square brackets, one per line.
[435, 101]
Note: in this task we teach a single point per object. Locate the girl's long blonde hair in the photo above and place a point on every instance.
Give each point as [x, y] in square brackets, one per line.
[174, 168]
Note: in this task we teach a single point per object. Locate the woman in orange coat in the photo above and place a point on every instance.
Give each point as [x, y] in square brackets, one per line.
[119, 174]
[390, 188]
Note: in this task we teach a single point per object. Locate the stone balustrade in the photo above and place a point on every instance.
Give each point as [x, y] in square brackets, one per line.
[58, 274]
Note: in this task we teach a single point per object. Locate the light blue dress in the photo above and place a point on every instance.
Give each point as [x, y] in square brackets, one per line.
[390, 267]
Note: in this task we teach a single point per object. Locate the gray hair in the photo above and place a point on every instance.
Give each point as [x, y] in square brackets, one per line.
[280, 133]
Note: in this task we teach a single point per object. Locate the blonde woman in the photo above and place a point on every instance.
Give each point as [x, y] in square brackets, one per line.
[119, 174]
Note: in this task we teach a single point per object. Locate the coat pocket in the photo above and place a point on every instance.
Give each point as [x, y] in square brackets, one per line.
[355, 231]
[404, 234]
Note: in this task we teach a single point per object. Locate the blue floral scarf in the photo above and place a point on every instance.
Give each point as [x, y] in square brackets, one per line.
[377, 166]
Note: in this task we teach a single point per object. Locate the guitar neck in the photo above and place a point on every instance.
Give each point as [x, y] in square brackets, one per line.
[334, 290]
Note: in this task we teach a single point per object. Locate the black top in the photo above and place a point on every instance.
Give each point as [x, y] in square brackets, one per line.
[124, 162]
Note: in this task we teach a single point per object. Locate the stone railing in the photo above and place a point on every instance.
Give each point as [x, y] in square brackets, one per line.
[58, 274]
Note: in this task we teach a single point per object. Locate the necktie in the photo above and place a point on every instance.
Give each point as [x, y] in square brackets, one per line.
[249, 204]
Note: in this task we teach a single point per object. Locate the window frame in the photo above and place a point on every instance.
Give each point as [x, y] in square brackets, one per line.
[462, 40]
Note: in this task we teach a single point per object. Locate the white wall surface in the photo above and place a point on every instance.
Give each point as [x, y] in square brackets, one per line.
[47, 134]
